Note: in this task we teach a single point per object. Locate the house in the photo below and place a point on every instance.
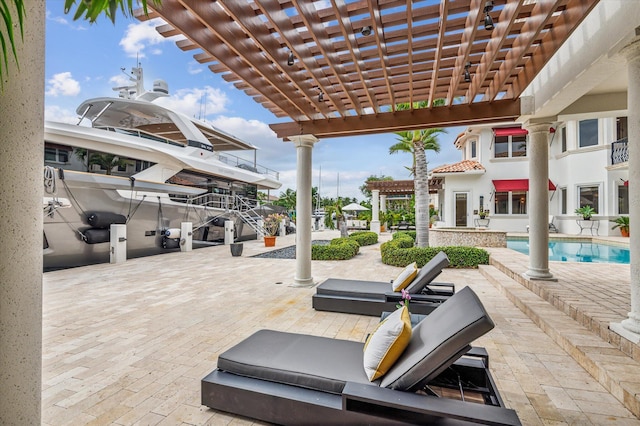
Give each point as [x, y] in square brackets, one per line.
[588, 165]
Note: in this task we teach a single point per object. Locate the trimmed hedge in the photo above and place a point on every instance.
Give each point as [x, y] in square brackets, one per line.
[401, 252]
[338, 249]
[364, 238]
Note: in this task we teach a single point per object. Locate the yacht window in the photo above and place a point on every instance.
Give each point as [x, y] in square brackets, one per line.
[55, 155]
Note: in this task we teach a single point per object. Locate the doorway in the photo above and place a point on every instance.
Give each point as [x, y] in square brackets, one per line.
[461, 209]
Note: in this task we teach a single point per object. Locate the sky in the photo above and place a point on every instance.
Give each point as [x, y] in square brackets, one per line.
[85, 60]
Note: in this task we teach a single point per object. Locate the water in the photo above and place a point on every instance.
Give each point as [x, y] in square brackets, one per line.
[576, 251]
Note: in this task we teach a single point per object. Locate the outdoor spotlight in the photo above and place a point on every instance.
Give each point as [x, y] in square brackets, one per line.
[488, 21]
[366, 31]
[467, 74]
[291, 59]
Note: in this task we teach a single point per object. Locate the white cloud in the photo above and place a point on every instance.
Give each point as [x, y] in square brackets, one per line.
[196, 102]
[60, 115]
[141, 35]
[194, 68]
[63, 84]
[120, 80]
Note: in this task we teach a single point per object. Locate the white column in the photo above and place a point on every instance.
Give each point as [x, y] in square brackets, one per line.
[630, 327]
[375, 207]
[538, 203]
[383, 203]
[304, 147]
[21, 161]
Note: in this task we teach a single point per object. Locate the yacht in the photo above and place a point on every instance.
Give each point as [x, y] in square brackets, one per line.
[150, 168]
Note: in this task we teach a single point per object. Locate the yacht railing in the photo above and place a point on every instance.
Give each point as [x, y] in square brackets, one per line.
[225, 157]
[619, 151]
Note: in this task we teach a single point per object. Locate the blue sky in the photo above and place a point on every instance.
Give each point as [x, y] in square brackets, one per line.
[84, 61]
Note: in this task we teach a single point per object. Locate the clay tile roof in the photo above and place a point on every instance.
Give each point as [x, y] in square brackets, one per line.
[462, 166]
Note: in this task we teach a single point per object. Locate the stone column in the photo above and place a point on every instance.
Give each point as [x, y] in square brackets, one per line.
[21, 162]
[538, 203]
[630, 327]
[304, 146]
[375, 207]
[383, 203]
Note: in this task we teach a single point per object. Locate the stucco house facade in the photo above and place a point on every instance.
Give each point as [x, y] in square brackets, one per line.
[588, 165]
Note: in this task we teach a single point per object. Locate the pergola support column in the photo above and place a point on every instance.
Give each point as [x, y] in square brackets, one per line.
[304, 147]
[538, 203]
[375, 211]
[630, 327]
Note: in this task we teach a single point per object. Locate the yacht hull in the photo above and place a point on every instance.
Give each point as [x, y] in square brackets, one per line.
[148, 215]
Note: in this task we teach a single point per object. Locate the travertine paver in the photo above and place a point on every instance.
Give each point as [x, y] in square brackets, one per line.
[128, 344]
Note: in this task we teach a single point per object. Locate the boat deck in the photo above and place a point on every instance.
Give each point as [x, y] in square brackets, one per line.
[128, 344]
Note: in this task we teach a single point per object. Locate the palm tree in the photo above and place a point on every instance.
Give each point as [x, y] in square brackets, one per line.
[417, 142]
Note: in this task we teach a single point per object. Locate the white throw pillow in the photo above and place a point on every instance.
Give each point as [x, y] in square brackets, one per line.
[405, 277]
[385, 345]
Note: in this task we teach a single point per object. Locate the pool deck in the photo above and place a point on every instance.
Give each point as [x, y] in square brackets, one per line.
[128, 344]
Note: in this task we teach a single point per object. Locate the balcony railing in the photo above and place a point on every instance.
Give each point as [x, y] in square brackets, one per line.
[619, 151]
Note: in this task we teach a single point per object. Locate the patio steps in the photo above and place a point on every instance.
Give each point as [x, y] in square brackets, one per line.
[613, 369]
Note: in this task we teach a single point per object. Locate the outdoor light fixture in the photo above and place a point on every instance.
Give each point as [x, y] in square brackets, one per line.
[366, 31]
[488, 21]
[467, 74]
[291, 59]
[321, 97]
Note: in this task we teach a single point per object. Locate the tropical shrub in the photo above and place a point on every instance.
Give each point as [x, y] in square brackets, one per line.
[400, 251]
[364, 238]
[338, 249]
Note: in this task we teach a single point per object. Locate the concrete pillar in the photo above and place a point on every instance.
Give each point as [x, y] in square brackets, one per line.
[186, 236]
[118, 243]
[538, 203]
[630, 327]
[375, 208]
[383, 203]
[21, 162]
[304, 147]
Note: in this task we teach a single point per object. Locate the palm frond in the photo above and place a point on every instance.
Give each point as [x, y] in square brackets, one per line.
[7, 18]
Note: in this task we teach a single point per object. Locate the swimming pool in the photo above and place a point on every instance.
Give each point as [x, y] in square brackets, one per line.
[576, 251]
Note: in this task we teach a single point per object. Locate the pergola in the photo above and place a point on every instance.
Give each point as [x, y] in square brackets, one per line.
[402, 187]
[342, 67]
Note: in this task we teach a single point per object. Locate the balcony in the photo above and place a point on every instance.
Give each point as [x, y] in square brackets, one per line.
[619, 152]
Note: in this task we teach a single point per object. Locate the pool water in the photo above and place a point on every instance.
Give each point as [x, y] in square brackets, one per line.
[576, 251]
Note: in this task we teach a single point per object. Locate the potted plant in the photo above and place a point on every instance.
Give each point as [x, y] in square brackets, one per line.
[586, 212]
[483, 214]
[623, 223]
[271, 227]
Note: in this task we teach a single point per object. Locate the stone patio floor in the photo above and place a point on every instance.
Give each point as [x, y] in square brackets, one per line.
[128, 344]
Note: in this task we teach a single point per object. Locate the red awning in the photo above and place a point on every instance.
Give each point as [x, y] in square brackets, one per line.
[509, 131]
[506, 185]
[626, 183]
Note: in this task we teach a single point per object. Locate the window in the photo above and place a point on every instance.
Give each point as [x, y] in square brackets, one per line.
[588, 133]
[511, 202]
[622, 130]
[563, 135]
[55, 155]
[623, 199]
[473, 149]
[510, 146]
[563, 200]
[588, 197]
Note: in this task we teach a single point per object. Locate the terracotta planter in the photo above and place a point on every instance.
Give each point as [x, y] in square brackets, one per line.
[624, 232]
[269, 241]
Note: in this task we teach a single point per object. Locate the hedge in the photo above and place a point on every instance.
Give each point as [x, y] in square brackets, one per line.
[338, 249]
[401, 252]
[364, 238]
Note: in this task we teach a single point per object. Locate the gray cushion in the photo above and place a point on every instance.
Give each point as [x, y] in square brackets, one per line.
[428, 273]
[438, 340]
[311, 362]
[354, 288]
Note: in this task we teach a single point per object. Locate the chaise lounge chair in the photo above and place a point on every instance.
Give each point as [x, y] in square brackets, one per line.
[287, 378]
[374, 297]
